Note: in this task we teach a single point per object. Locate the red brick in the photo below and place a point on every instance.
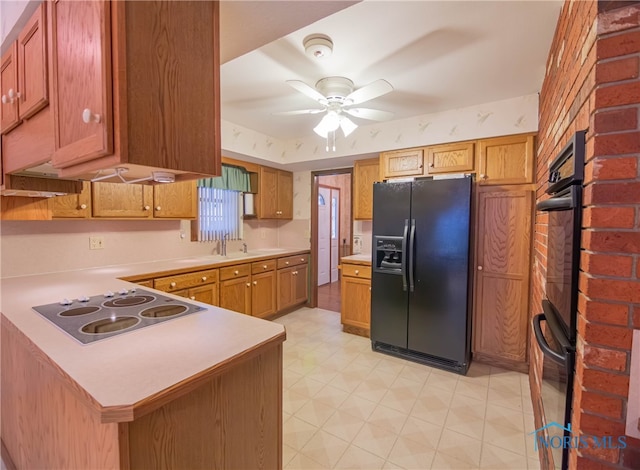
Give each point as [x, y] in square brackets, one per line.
[611, 241]
[608, 289]
[631, 456]
[586, 463]
[605, 359]
[618, 144]
[616, 70]
[601, 453]
[636, 317]
[625, 119]
[619, 45]
[606, 335]
[600, 404]
[615, 168]
[597, 426]
[606, 265]
[608, 217]
[608, 382]
[612, 193]
[603, 312]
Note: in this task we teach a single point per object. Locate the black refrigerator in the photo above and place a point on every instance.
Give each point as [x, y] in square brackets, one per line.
[421, 281]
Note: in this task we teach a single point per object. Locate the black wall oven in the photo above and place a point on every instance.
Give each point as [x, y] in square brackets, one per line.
[557, 339]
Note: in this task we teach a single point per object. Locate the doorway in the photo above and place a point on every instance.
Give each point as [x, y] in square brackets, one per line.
[331, 234]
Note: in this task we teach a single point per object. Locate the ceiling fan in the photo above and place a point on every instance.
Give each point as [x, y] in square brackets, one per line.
[337, 97]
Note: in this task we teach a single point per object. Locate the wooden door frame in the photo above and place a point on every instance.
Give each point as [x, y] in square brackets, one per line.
[313, 275]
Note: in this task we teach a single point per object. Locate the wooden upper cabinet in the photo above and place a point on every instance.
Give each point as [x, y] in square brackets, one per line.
[408, 162]
[118, 200]
[503, 266]
[365, 173]
[82, 84]
[73, 206]
[175, 200]
[33, 65]
[506, 160]
[9, 117]
[135, 84]
[275, 194]
[450, 158]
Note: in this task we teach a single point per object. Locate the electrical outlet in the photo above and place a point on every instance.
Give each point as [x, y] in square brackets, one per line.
[96, 243]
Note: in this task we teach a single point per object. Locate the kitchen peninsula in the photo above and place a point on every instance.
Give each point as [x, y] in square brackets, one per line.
[199, 391]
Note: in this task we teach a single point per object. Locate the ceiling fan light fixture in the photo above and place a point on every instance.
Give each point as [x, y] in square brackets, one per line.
[329, 123]
[318, 46]
[347, 126]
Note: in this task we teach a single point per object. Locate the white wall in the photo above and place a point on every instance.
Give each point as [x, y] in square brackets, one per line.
[13, 16]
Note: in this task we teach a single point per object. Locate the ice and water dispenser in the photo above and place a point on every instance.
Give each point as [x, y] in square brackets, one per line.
[389, 254]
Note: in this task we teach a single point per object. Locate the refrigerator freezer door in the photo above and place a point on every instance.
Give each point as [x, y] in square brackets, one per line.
[391, 207]
[438, 322]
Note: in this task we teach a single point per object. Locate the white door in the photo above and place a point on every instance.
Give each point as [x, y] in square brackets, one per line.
[324, 235]
[335, 233]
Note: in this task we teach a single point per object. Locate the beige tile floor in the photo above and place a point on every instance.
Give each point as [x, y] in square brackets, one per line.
[346, 406]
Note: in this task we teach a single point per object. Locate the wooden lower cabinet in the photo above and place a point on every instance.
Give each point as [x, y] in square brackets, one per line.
[199, 285]
[503, 265]
[292, 286]
[235, 294]
[263, 294]
[356, 298]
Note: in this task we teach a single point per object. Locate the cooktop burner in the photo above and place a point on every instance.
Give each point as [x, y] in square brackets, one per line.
[91, 319]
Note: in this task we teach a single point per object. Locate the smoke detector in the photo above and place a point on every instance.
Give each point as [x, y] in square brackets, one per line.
[318, 46]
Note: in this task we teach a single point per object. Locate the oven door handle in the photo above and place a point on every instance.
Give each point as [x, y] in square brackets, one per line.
[555, 204]
[542, 342]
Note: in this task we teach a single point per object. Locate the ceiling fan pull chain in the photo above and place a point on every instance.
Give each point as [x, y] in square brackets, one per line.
[334, 140]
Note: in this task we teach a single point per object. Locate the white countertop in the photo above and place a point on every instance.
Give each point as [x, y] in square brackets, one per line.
[127, 368]
[366, 258]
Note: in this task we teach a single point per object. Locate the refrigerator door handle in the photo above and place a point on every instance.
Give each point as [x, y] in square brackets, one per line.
[411, 254]
[404, 255]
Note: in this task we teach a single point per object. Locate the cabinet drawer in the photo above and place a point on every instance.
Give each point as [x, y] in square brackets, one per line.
[356, 270]
[183, 281]
[263, 266]
[236, 271]
[292, 261]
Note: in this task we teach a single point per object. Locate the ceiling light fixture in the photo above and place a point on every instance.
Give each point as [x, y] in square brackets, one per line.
[318, 46]
[330, 123]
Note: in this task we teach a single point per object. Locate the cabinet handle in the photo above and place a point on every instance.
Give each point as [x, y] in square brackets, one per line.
[88, 116]
[255, 283]
[295, 273]
[369, 289]
[173, 284]
[10, 97]
[302, 260]
[146, 208]
[193, 297]
[204, 278]
[264, 266]
[357, 272]
[83, 206]
[158, 208]
[431, 165]
[479, 268]
[248, 284]
[483, 176]
[236, 272]
[287, 263]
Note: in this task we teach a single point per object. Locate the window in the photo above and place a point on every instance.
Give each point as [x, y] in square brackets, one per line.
[219, 214]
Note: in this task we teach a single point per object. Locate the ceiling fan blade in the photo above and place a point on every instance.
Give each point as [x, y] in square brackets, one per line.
[369, 92]
[298, 111]
[366, 113]
[305, 89]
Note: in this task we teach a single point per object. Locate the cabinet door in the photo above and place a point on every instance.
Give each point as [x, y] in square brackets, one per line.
[506, 160]
[73, 206]
[9, 89]
[365, 173]
[207, 294]
[32, 64]
[286, 288]
[301, 284]
[119, 200]
[402, 163]
[81, 63]
[356, 302]
[268, 193]
[263, 294]
[175, 200]
[503, 247]
[453, 158]
[235, 294]
[285, 195]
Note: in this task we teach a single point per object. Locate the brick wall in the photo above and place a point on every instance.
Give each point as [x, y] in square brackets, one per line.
[593, 82]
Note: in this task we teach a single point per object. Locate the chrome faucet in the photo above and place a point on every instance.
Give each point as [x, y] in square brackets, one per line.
[244, 247]
[223, 245]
